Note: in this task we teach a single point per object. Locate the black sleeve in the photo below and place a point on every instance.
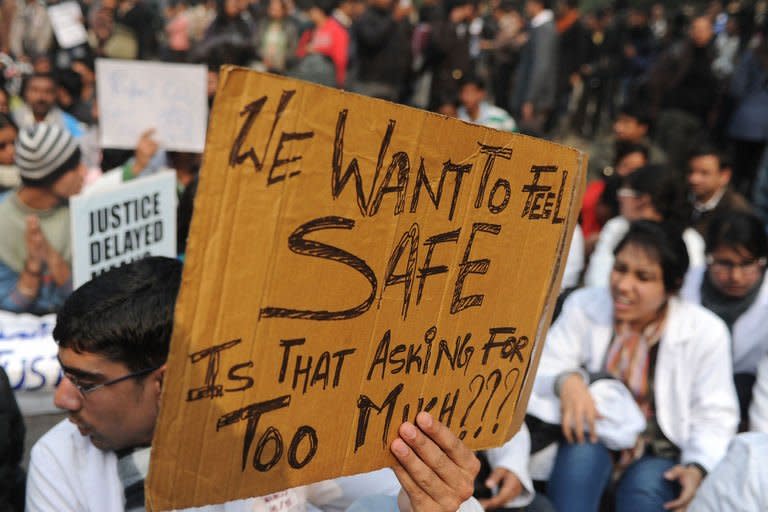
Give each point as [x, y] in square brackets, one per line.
[11, 446]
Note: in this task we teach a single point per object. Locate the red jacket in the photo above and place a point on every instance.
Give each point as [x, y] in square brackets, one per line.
[330, 39]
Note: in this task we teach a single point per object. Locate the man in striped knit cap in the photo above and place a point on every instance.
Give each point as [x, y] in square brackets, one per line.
[35, 253]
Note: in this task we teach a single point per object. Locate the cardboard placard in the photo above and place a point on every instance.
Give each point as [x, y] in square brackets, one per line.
[350, 263]
[135, 96]
[117, 225]
[67, 22]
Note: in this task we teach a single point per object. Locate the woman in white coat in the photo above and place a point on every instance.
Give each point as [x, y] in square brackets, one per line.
[673, 356]
[650, 193]
[733, 286]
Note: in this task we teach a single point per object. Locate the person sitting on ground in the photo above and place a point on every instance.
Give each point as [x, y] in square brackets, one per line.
[35, 250]
[114, 335]
[709, 178]
[474, 109]
[649, 193]
[733, 286]
[673, 356]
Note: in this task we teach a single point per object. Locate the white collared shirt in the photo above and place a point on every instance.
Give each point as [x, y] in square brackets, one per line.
[543, 17]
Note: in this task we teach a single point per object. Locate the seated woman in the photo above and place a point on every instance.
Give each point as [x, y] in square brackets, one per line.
[673, 356]
[733, 287]
[649, 193]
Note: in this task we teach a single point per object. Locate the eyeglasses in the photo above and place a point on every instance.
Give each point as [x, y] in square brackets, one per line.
[85, 389]
[725, 266]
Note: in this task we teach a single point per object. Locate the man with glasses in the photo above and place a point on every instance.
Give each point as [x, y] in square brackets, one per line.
[733, 286]
[114, 334]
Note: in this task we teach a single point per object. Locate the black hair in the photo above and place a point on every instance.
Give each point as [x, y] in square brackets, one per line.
[6, 121]
[87, 60]
[71, 82]
[627, 148]
[34, 76]
[709, 149]
[666, 190]
[69, 164]
[472, 79]
[663, 242]
[327, 6]
[638, 112]
[737, 229]
[224, 53]
[124, 315]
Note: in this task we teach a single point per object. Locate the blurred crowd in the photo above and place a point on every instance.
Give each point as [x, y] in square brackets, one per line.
[658, 355]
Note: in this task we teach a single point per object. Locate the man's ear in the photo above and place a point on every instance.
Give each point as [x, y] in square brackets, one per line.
[159, 377]
[726, 173]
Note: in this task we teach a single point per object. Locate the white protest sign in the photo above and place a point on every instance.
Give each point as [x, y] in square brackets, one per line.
[116, 226]
[136, 96]
[28, 354]
[67, 21]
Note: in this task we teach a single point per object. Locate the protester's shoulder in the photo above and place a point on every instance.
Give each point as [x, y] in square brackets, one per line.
[60, 435]
[592, 302]
[694, 321]
[61, 443]
[616, 227]
[733, 200]
[691, 290]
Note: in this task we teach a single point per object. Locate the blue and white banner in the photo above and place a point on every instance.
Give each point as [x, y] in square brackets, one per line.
[28, 355]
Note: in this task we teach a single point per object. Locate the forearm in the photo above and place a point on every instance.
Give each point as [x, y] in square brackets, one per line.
[17, 291]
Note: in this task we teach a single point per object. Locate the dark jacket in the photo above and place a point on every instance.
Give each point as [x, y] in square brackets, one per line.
[730, 202]
[448, 57]
[573, 49]
[537, 71]
[11, 449]
[683, 79]
[383, 48]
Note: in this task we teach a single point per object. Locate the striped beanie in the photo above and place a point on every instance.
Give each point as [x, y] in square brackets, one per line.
[41, 151]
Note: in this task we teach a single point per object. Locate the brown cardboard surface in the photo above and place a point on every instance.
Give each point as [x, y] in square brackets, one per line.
[350, 263]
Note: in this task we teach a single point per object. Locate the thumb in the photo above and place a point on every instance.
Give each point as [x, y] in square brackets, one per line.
[673, 473]
[495, 478]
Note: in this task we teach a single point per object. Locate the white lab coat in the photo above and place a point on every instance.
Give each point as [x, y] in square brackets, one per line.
[696, 404]
[574, 264]
[750, 331]
[758, 409]
[740, 482]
